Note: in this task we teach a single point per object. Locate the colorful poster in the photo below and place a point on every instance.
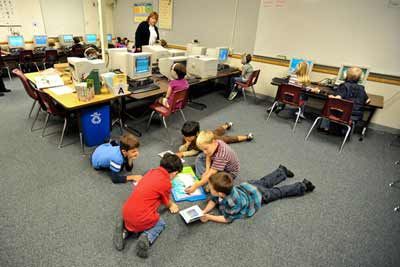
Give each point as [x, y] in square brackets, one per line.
[141, 11]
[165, 9]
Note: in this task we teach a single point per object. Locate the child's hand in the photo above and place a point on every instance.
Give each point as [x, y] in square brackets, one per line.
[173, 208]
[134, 155]
[179, 154]
[135, 178]
[205, 218]
[190, 189]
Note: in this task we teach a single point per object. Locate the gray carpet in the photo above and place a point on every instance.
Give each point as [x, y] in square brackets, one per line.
[57, 211]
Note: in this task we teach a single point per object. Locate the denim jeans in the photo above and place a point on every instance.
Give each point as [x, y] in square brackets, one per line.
[234, 80]
[200, 164]
[270, 192]
[155, 231]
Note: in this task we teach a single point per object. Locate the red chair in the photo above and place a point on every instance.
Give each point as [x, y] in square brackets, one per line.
[3, 65]
[77, 51]
[338, 111]
[28, 89]
[25, 59]
[179, 101]
[50, 58]
[290, 95]
[249, 84]
[52, 109]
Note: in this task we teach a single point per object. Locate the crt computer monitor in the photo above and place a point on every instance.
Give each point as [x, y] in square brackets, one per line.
[16, 41]
[223, 54]
[343, 72]
[40, 40]
[90, 38]
[66, 39]
[139, 65]
[109, 38]
[295, 61]
[165, 64]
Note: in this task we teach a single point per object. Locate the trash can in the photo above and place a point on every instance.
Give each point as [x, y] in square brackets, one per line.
[96, 124]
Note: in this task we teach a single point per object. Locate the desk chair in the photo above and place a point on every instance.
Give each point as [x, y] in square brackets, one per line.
[25, 59]
[249, 84]
[337, 111]
[50, 58]
[29, 90]
[77, 51]
[4, 65]
[290, 95]
[397, 208]
[179, 101]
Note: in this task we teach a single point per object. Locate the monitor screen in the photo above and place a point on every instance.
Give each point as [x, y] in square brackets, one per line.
[68, 38]
[142, 64]
[343, 73]
[295, 61]
[16, 41]
[41, 40]
[109, 38]
[223, 54]
[91, 38]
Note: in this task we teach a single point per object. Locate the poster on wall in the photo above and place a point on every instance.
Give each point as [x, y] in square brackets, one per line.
[165, 12]
[7, 12]
[141, 11]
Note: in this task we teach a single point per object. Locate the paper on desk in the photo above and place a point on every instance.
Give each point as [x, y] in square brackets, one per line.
[62, 90]
[47, 81]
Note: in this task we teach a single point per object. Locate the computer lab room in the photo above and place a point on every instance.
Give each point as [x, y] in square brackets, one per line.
[200, 133]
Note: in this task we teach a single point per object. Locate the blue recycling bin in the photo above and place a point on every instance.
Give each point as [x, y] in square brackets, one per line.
[96, 125]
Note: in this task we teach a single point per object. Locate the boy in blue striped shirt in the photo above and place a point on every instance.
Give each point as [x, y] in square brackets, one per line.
[243, 201]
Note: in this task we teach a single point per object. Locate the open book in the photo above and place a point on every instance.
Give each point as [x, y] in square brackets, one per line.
[183, 180]
[170, 152]
[48, 81]
[191, 214]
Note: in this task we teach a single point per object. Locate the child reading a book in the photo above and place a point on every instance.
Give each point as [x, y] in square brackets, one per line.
[243, 201]
[217, 156]
[191, 129]
[114, 157]
[140, 215]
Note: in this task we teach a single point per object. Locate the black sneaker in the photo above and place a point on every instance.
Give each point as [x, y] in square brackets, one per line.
[233, 94]
[288, 172]
[119, 235]
[309, 186]
[142, 246]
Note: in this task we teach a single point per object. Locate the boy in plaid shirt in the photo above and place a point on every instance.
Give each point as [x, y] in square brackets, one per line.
[243, 201]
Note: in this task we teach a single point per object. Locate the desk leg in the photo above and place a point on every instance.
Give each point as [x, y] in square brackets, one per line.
[119, 119]
[122, 119]
[80, 133]
[364, 130]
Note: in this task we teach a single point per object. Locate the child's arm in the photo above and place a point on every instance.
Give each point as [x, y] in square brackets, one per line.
[173, 208]
[209, 207]
[204, 179]
[169, 91]
[213, 218]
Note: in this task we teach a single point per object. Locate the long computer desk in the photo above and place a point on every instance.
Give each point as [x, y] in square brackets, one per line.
[369, 109]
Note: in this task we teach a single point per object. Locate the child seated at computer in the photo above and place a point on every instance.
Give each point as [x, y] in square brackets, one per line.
[217, 156]
[178, 83]
[191, 129]
[351, 90]
[114, 157]
[247, 70]
[140, 216]
[243, 201]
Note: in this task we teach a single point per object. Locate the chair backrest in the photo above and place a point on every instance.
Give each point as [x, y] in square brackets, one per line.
[2, 64]
[50, 56]
[77, 51]
[179, 100]
[338, 110]
[25, 82]
[25, 56]
[253, 78]
[289, 94]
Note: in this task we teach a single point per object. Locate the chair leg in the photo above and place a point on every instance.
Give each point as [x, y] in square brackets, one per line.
[34, 63]
[36, 117]
[19, 66]
[297, 119]
[9, 74]
[45, 123]
[312, 127]
[151, 117]
[183, 115]
[62, 133]
[244, 94]
[272, 109]
[345, 138]
[254, 93]
[33, 105]
[166, 128]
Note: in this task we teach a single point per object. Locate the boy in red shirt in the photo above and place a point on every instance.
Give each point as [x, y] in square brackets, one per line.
[139, 212]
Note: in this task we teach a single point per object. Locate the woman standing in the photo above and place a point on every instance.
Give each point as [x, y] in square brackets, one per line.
[147, 32]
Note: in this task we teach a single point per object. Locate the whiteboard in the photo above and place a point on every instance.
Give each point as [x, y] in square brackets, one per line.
[332, 32]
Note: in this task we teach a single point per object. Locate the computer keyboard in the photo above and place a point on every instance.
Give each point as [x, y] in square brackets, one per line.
[192, 80]
[143, 88]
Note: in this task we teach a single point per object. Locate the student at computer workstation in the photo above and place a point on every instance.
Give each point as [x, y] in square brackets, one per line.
[77, 49]
[147, 32]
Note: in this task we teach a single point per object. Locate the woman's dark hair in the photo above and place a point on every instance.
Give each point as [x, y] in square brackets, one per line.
[171, 163]
[190, 128]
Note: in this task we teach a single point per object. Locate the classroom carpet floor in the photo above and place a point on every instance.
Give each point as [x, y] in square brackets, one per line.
[57, 211]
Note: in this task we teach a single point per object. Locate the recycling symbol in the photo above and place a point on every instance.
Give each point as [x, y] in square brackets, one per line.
[96, 118]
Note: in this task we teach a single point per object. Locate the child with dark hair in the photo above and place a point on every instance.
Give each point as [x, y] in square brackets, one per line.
[243, 201]
[191, 129]
[140, 215]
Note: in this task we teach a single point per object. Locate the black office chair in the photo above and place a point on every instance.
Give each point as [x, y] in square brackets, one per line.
[397, 208]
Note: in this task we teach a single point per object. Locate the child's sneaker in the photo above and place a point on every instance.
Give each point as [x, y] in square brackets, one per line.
[142, 246]
[228, 125]
[288, 172]
[250, 136]
[120, 234]
[309, 186]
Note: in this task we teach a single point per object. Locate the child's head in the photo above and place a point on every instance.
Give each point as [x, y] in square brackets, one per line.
[119, 40]
[246, 58]
[353, 74]
[206, 142]
[221, 184]
[76, 40]
[190, 130]
[172, 164]
[52, 44]
[178, 71]
[129, 145]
